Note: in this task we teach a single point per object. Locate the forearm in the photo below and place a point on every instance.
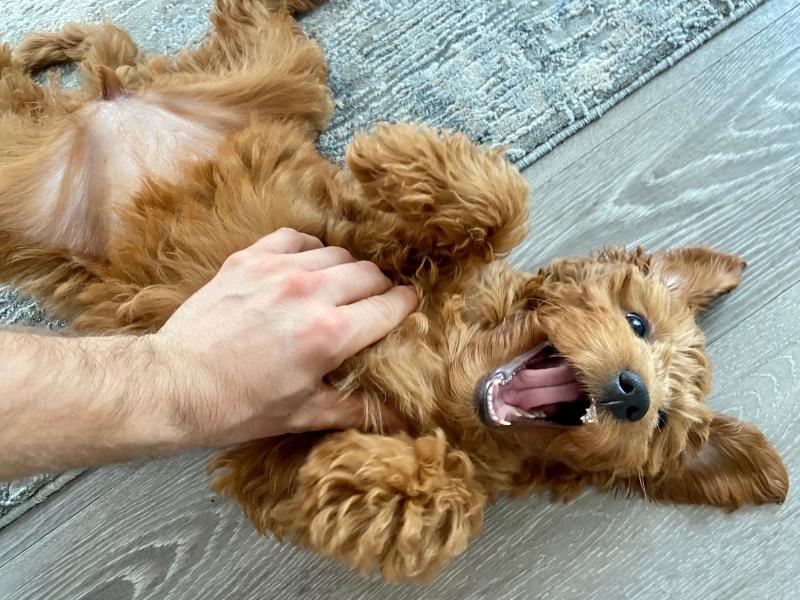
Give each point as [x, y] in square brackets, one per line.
[243, 358]
[67, 402]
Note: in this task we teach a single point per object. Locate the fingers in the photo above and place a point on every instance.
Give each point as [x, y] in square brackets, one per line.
[374, 317]
[356, 281]
[307, 251]
[323, 258]
[287, 241]
[328, 409]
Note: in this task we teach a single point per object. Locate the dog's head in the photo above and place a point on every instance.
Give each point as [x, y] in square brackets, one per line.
[598, 365]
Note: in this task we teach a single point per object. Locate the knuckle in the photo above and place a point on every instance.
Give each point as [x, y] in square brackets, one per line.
[281, 238]
[270, 263]
[300, 284]
[326, 327]
[371, 269]
[286, 231]
[236, 260]
[340, 254]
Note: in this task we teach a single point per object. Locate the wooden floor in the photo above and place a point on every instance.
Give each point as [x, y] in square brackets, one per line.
[708, 152]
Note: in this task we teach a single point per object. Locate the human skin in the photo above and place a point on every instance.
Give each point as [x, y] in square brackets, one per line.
[241, 359]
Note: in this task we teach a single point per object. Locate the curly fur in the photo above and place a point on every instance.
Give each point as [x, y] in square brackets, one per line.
[119, 200]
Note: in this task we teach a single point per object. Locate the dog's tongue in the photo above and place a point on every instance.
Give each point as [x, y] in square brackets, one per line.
[533, 388]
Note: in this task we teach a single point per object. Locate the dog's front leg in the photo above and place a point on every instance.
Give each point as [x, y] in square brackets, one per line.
[453, 202]
[396, 504]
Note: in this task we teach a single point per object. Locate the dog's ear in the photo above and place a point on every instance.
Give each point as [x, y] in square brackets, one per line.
[698, 275]
[736, 466]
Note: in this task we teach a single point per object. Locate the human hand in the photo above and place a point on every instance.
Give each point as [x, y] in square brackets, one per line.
[249, 350]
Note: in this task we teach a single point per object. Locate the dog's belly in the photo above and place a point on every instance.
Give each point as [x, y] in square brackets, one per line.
[105, 156]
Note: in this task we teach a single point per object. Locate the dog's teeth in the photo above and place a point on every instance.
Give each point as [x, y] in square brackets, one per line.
[533, 414]
[490, 405]
[504, 422]
[591, 414]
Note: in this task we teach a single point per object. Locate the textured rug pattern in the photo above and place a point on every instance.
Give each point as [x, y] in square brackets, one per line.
[521, 73]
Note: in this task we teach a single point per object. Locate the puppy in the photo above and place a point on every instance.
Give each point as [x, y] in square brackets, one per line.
[120, 199]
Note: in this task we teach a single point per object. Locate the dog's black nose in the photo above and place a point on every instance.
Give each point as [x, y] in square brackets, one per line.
[627, 396]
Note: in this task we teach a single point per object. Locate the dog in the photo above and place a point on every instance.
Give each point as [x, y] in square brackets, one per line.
[120, 199]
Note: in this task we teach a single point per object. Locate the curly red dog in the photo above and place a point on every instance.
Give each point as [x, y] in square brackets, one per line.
[120, 199]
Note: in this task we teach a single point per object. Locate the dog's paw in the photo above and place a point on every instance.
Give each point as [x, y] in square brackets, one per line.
[455, 195]
[399, 505]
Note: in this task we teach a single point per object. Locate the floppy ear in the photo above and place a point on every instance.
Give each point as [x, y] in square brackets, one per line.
[698, 275]
[735, 467]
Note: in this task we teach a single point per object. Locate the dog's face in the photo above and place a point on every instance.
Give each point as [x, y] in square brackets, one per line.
[602, 370]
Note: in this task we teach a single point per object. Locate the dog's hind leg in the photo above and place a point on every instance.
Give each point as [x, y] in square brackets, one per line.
[105, 44]
[20, 96]
[234, 22]
[255, 61]
[284, 79]
[230, 15]
[105, 54]
[244, 31]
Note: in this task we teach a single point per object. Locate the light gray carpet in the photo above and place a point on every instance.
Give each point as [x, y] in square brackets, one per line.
[522, 73]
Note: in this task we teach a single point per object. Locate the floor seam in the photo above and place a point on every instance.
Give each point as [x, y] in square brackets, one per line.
[770, 300]
[72, 516]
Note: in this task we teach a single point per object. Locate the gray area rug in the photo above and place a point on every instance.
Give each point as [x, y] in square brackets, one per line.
[520, 73]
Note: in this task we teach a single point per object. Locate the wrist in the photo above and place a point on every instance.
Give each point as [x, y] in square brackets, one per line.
[156, 390]
[177, 386]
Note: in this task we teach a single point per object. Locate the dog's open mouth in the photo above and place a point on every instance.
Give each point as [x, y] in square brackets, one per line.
[536, 388]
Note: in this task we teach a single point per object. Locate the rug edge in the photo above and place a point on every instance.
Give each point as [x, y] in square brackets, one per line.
[656, 70]
[39, 496]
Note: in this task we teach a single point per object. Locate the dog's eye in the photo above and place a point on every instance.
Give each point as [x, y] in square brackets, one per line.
[638, 324]
[662, 419]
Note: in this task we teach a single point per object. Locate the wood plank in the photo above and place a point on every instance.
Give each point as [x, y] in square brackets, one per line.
[42, 519]
[718, 163]
[157, 536]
